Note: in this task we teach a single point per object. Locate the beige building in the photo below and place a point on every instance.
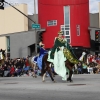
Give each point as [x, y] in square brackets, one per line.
[12, 21]
[17, 36]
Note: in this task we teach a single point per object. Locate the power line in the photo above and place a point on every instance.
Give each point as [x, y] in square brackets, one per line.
[19, 11]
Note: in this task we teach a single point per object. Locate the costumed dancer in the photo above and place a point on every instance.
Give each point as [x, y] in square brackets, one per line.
[42, 53]
[82, 57]
[59, 54]
[1, 56]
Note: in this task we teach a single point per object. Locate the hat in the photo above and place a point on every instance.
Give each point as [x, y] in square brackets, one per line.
[60, 32]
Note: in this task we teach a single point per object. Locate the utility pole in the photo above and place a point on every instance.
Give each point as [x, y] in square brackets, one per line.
[34, 6]
[35, 28]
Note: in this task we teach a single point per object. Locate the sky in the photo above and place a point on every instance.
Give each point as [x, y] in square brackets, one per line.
[93, 5]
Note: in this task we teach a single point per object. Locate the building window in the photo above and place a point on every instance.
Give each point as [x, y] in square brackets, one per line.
[67, 33]
[66, 27]
[67, 37]
[78, 30]
[66, 15]
[8, 44]
[52, 23]
[68, 40]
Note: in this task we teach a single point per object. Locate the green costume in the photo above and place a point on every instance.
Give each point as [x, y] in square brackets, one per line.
[58, 43]
[67, 51]
[58, 57]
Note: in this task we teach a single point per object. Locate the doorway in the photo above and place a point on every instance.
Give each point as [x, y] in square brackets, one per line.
[31, 49]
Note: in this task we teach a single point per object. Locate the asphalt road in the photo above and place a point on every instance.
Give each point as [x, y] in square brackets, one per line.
[84, 87]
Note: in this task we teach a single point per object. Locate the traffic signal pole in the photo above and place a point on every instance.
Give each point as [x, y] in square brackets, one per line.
[19, 11]
[35, 29]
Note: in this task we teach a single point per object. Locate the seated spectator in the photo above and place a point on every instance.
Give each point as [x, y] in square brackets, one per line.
[6, 70]
[90, 70]
[26, 69]
[12, 71]
[79, 68]
[95, 70]
[85, 68]
[27, 63]
[1, 71]
[18, 71]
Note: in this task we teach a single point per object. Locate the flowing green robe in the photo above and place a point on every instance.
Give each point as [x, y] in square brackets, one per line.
[58, 57]
[67, 50]
[58, 43]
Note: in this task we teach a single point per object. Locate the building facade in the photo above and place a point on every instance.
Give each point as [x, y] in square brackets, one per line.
[16, 34]
[20, 44]
[11, 21]
[94, 28]
[70, 16]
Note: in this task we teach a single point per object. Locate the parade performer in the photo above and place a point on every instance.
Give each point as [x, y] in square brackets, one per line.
[59, 54]
[3, 52]
[2, 56]
[42, 53]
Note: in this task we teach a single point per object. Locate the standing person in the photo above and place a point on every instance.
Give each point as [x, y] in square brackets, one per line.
[91, 59]
[59, 54]
[27, 62]
[27, 65]
[1, 55]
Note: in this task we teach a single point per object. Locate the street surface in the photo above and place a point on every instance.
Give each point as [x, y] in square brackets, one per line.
[84, 87]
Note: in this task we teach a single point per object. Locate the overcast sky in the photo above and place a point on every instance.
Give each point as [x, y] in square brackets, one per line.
[93, 5]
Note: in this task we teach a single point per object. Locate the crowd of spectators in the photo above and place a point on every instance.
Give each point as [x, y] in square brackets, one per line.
[20, 66]
[92, 65]
[15, 67]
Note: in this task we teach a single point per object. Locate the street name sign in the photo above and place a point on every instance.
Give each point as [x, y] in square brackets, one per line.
[36, 26]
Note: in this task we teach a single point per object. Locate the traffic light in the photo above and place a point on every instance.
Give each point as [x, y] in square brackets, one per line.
[2, 4]
[97, 33]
